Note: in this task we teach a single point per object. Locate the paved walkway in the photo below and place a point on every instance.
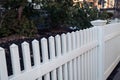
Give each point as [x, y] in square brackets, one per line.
[115, 75]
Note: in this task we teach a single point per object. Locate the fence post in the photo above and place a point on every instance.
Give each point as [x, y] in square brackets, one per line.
[101, 53]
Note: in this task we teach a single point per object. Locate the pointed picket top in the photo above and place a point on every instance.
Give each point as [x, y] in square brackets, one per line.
[63, 35]
[63, 42]
[73, 40]
[25, 43]
[58, 45]
[68, 33]
[13, 45]
[73, 32]
[1, 49]
[69, 42]
[78, 39]
[81, 37]
[87, 35]
[51, 38]
[43, 39]
[35, 41]
[76, 31]
[57, 36]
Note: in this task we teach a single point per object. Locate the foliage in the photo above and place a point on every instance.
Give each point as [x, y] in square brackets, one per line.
[93, 13]
[63, 13]
[21, 18]
[104, 15]
[16, 20]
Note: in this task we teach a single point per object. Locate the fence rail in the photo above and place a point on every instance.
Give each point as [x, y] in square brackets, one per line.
[89, 54]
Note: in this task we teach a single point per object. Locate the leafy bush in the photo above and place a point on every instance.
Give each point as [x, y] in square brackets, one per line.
[20, 17]
[63, 13]
[15, 20]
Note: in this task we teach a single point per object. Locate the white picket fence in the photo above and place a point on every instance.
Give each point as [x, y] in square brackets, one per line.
[89, 54]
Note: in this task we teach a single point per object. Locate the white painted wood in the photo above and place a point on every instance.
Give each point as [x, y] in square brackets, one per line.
[69, 42]
[83, 68]
[74, 44]
[91, 65]
[58, 45]
[47, 76]
[91, 34]
[85, 65]
[15, 59]
[95, 63]
[77, 39]
[39, 79]
[3, 66]
[52, 55]
[64, 44]
[87, 61]
[36, 53]
[85, 36]
[82, 56]
[81, 38]
[44, 47]
[93, 56]
[73, 41]
[52, 47]
[75, 68]
[87, 55]
[60, 74]
[26, 56]
[96, 54]
[79, 69]
[101, 53]
[70, 70]
[58, 53]
[69, 48]
[64, 50]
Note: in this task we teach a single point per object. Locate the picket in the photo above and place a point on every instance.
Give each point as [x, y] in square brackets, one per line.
[77, 55]
[88, 54]
[26, 56]
[44, 47]
[69, 48]
[64, 51]
[15, 59]
[74, 60]
[58, 53]
[36, 53]
[52, 55]
[3, 66]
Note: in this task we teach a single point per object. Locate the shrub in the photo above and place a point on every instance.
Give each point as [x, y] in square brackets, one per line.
[15, 20]
[63, 13]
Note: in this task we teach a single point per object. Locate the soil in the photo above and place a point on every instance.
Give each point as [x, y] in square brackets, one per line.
[44, 33]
